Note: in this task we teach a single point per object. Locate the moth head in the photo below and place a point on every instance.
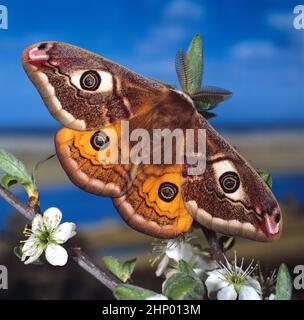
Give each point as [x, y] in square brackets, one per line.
[243, 194]
[72, 82]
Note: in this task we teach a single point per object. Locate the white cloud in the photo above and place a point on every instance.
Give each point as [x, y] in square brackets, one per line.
[161, 37]
[173, 26]
[154, 54]
[254, 50]
[184, 9]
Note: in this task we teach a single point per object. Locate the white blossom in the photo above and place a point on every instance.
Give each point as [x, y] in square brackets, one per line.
[202, 264]
[180, 249]
[47, 234]
[176, 250]
[230, 282]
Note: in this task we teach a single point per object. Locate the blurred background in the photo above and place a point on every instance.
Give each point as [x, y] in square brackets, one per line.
[250, 48]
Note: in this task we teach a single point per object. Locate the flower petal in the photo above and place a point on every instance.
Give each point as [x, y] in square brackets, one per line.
[29, 244]
[220, 273]
[255, 284]
[177, 250]
[56, 255]
[227, 293]
[248, 293]
[37, 223]
[203, 264]
[52, 217]
[215, 282]
[31, 252]
[64, 232]
[34, 256]
[162, 266]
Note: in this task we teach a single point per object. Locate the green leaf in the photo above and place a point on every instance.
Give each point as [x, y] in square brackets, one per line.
[194, 64]
[182, 286]
[208, 115]
[130, 292]
[12, 167]
[284, 285]
[265, 176]
[202, 105]
[226, 242]
[185, 267]
[210, 97]
[18, 252]
[127, 269]
[122, 270]
[7, 181]
[13, 171]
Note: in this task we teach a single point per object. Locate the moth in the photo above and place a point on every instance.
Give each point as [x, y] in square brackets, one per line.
[91, 96]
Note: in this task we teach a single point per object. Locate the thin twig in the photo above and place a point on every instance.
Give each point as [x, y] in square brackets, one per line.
[216, 250]
[96, 271]
[22, 208]
[75, 254]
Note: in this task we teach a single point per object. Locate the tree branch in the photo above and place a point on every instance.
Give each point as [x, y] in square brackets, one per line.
[75, 254]
[22, 208]
[216, 250]
[101, 274]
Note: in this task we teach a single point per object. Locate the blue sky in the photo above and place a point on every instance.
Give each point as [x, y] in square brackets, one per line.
[251, 48]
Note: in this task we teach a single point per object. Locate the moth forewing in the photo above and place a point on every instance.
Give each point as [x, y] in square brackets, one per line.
[85, 91]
